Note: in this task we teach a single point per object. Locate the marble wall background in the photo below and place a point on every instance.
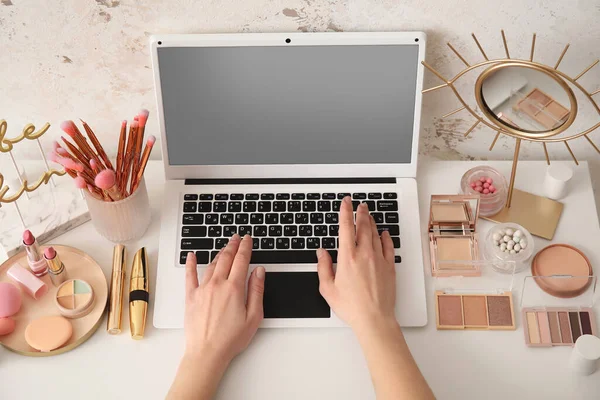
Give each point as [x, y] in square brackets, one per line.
[89, 59]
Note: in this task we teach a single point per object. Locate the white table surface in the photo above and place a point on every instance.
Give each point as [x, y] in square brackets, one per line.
[321, 363]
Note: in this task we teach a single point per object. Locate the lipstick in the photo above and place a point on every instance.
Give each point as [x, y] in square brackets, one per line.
[139, 285]
[117, 284]
[34, 258]
[56, 269]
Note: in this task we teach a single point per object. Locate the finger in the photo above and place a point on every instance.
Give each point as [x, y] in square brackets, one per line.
[347, 235]
[210, 269]
[388, 247]
[363, 228]
[239, 270]
[376, 240]
[326, 276]
[226, 258]
[256, 289]
[191, 273]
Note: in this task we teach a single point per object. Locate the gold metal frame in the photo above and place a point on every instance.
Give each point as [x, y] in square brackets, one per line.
[550, 210]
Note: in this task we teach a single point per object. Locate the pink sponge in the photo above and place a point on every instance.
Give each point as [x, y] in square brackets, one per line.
[10, 299]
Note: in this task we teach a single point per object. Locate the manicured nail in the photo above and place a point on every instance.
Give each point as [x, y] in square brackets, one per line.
[347, 200]
[260, 273]
[320, 252]
[235, 238]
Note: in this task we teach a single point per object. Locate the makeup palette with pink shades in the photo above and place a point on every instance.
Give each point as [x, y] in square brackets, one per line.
[52, 299]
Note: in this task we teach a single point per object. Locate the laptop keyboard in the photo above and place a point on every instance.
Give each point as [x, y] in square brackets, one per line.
[285, 227]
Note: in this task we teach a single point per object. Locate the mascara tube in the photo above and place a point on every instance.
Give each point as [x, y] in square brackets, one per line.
[139, 287]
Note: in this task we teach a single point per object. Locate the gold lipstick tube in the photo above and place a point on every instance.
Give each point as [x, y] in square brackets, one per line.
[139, 286]
[56, 270]
[117, 287]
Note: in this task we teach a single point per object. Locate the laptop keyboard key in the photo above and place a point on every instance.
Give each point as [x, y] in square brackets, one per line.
[220, 206]
[256, 219]
[334, 230]
[394, 230]
[229, 230]
[193, 231]
[359, 196]
[391, 218]
[324, 205]
[190, 197]
[260, 230]
[190, 207]
[313, 196]
[245, 230]
[308, 206]
[183, 257]
[336, 205]
[294, 206]
[255, 243]
[397, 259]
[193, 219]
[282, 196]
[331, 218]
[341, 196]
[226, 219]
[220, 243]
[328, 243]
[252, 196]
[305, 230]
[396, 241]
[222, 196]
[267, 196]
[378, 217]
[271, 218]
[288, 257]
[320, 230]
[235, 206]
[237, 196]
[282, 243]
[384, 205]
[241, 219]
[298, 243]
[204, 206]
[390, 195]
[301, 218]
[266, 243]
[286, 218]
[298, 196]
[374, 196]
[264, 206]
[215, 231]
[211, 219]
[290, 230]
[249, 206]
[202, 257]
[328, 196]
[213, 254]
[206, 197]
[275, 230]
[355, 204]
[371, 204]
[313, 243]
[196, 244]
[279, 206]
[316, 218]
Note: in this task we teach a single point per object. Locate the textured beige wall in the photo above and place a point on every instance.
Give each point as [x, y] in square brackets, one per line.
[89, 59]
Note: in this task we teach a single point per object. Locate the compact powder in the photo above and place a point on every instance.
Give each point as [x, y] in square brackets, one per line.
[475, 310]
[455, 248]
[561, 259]
[500, 313]
[448, 212]
[450, 310]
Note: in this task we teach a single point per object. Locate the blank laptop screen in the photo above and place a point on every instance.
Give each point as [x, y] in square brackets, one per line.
[289, 105]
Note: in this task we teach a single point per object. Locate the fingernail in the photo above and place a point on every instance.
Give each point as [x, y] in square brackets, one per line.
[320, 252]
[190, 255]
[235, 238]
[385, 233]
[347, 200]
[247, 237]
[260, 273]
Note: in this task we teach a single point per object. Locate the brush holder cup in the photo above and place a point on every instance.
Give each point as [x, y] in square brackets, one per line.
[123, 220]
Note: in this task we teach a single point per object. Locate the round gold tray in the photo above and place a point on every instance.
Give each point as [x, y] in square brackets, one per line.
[78, 265]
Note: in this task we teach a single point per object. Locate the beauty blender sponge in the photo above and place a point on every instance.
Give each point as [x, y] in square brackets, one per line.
[10, 299]
[7, 325]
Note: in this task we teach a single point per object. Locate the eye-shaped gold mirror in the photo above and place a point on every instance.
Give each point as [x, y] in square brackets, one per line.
[525, 100]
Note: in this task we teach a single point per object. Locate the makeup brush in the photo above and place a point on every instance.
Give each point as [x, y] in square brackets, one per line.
[80, 183]
[121, 149]
[129, 155]
[94, 194]
[65, 162]
[106, 180]
[96, 144]
[70, 129]
[95, 166]
[142, 117]
[144, 160]
[78, 154]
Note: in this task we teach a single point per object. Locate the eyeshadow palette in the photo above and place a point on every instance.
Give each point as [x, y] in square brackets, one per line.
[474, 311]
[543, 109]
[557, 327]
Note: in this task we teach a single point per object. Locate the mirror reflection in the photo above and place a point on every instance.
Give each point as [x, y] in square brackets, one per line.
[526, 99]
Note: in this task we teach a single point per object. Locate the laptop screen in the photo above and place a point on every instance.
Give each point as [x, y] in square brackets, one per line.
[289, 105]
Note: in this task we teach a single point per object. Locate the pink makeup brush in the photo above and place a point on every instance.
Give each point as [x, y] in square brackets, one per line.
[70, 129]
[94, 193]
[65, 162]
[80, 183]
[56, 145]
[95, 167]
[106, 180]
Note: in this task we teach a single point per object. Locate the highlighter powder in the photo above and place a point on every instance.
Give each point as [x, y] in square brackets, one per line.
[533, 328]
[456, 248]
[448, 212]
[450, 310]
[475, 310]
[560, 259]
[500, 313]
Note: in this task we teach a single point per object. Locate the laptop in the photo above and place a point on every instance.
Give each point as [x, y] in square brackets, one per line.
[264, 134]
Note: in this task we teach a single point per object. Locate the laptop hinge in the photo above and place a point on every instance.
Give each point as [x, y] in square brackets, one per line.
[288, 181]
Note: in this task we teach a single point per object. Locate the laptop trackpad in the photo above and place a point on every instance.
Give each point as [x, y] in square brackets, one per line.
[294, 295]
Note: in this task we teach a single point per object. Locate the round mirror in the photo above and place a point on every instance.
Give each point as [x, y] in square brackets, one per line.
[525, 99]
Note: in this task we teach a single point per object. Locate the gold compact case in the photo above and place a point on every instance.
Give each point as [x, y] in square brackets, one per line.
[453, 241]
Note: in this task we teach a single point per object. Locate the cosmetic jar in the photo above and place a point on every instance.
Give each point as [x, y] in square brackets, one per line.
[123, 220]
[74, 298]
[490, 203]
[502, 238]
[585, 355]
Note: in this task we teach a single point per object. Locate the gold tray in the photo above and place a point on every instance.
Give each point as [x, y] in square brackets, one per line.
[78, 265]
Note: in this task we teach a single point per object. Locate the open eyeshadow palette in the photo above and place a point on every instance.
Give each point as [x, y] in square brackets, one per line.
[484, 302]
[557, 321]
[543, 109]
[452, 236]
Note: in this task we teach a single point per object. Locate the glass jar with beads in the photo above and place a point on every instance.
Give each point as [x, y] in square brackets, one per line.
[509, 242]
[490, 184]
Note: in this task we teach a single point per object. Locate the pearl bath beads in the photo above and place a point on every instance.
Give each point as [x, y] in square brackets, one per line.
[509, 240]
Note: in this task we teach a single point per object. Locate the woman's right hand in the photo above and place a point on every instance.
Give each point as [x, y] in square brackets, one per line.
[362, 291]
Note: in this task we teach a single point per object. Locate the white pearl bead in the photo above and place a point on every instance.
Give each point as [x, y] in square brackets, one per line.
[513, 252]
[496, 243]
[517, 247]
[506, 238]
[503, 246]
[497, 236]
[517, 239]
[509, 245]
[523, 244]
[509, 232]
[518, 233]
